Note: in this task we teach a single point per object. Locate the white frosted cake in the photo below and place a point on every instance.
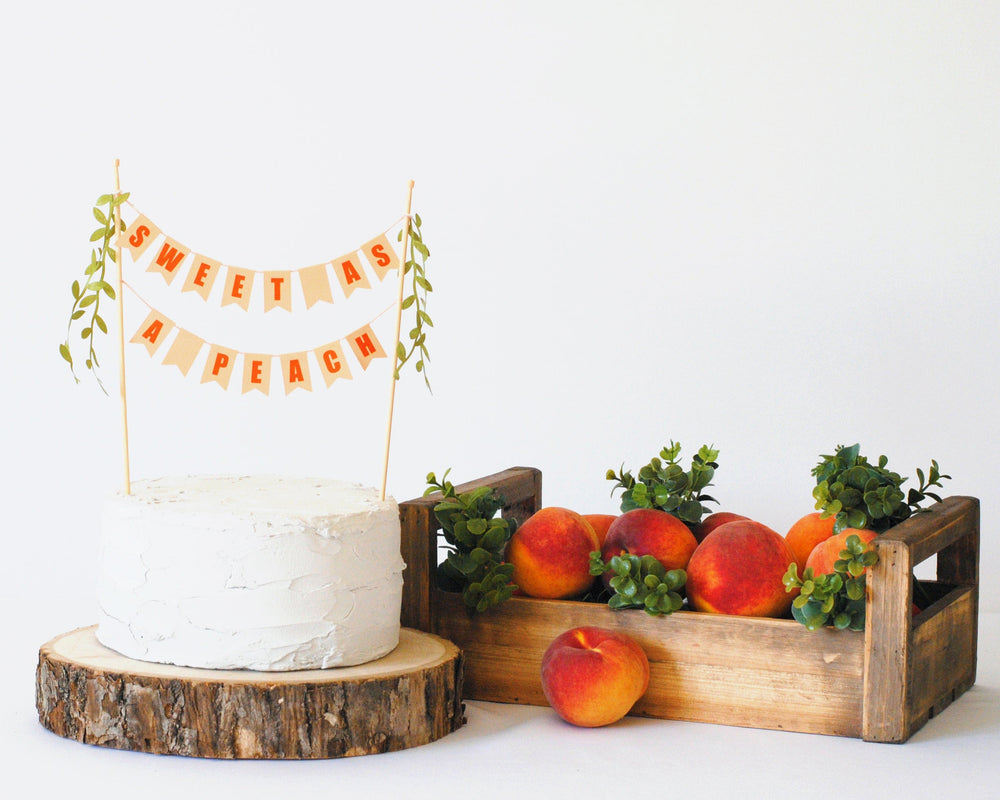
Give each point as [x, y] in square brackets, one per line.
[261, 573]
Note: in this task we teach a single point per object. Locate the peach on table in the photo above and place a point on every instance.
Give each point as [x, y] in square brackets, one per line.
[593, 676]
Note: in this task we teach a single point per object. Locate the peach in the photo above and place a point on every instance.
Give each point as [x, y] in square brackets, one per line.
[593, 676]
[713, 521]
[650, 532]
[805, 534]
[738, 569]
[551, 554]
[827, 553]
[600, 523]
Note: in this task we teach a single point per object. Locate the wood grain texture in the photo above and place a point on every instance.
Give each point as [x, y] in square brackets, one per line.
[944, 655]
[749, 671]
[889, 591]
[916, 666]
[938, 528]
[708, 668]
[86, 692]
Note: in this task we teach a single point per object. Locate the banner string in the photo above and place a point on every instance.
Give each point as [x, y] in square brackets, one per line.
[380, 233]
[148, 305]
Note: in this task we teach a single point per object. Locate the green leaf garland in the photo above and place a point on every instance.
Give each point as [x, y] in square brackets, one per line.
[415, 265]
[87, 298]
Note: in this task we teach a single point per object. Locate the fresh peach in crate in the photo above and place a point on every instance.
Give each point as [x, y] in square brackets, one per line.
[806, 533]
[827, 552]
[738, 569]
[650, 532]
[600, 523]
[550, 553]
[713, 521]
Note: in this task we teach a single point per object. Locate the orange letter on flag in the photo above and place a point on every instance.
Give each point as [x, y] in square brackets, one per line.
[331, 362]
[170, 256]
[219, 366]
[277, 292]
[381, 256]
[256, 372]
[138, 236]
[239, 284]
[366, 346]
[201, 276]
[153, 331]
[350, 274]
[295, 371]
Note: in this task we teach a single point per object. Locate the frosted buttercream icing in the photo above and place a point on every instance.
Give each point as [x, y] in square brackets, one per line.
[262, 573]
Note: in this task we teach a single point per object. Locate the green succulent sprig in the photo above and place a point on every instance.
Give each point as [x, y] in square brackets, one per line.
[476, 538]
[664, 484]
[836, 598]
[87, 297]
[864, 495]
[641, 582]
[416, 267]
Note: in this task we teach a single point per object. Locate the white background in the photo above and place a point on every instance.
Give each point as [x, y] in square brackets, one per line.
[772, 227]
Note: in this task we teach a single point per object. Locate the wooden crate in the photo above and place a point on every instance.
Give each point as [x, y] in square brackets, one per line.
[880, 686]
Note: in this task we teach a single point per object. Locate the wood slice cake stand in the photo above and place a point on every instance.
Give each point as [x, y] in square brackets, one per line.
[86, 692]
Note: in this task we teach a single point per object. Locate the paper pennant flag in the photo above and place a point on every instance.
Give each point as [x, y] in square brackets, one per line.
[295, 372]
[365, 345]
[138, 236]
[332, 363]
[219, 366]
[153, 331]
[239, 285]
[201, 277]
[183, 351]
[168, 258]
[278, 290]
[256, 372]
[381, 256]
[315, 285]
[350, 274]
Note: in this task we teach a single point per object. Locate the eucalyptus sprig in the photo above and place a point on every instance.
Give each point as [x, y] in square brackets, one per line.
[641, 582]
[863, 495]
[420, 287]
[836, 598]
[87, 298]
[663, 483]
[476, 539]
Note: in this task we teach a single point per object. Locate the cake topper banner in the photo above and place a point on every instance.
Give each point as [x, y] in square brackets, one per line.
[103, 279]
[296, 369]
[170, 258]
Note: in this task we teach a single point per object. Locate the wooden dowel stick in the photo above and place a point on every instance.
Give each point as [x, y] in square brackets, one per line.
[120, 303]
[395, 341]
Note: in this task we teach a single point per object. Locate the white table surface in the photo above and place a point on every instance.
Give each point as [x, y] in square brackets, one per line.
[521, 751]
